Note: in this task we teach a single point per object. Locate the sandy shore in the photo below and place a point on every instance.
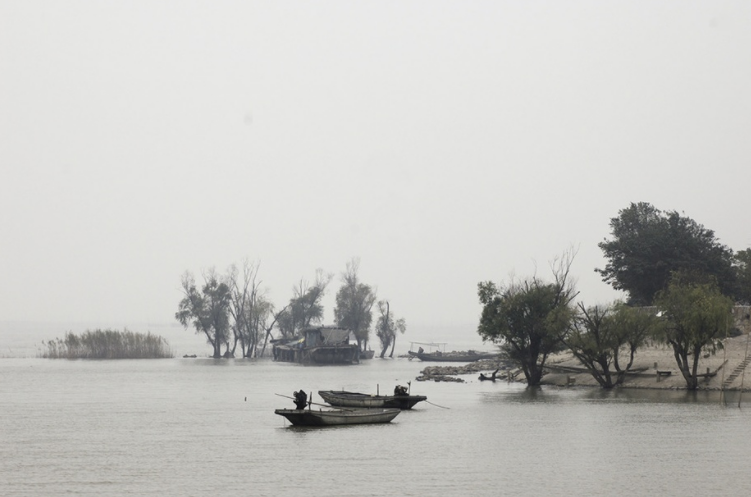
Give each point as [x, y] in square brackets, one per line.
[725, 366]
[654, 367]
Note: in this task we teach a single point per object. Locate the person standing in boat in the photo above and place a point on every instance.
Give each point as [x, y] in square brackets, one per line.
[301, 399]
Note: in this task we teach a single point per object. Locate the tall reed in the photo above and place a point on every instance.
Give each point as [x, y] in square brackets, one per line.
[107, 344]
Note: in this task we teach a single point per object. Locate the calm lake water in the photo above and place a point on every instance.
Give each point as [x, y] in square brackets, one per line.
[206, 427]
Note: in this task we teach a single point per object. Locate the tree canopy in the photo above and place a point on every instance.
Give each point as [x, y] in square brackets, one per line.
[697, 318]
[647, 245]
[354, 304]
[528, 318]
[305, 308]
[207, 310]
[387, 327]
[743, 271]
[598, 335]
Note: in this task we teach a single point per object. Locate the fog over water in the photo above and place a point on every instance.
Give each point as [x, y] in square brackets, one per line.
[441, 143]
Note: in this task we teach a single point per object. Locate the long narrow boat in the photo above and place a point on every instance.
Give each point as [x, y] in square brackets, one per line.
[354, 399]
[470, 356]
[333, 417]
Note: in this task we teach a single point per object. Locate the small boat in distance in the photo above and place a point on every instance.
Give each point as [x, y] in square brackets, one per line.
[439, 355]
[354, 399]
[336, 417]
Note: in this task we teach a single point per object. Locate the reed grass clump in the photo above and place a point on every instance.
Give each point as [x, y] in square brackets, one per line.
[108, 344]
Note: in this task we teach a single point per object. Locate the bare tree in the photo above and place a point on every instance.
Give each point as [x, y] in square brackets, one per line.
[250, 309]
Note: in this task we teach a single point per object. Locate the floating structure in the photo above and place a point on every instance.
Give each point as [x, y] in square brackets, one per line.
[321, 345]
[354, 399]
[334, 417]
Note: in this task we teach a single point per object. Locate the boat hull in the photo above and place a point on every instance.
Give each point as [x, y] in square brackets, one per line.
[336, 417]
[450, 357]
[362, 400]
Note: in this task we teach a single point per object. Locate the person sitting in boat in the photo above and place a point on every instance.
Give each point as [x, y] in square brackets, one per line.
[301, 399]
[400, 391]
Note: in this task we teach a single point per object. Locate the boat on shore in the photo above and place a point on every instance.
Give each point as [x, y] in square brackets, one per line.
[336, 417]
[363, 400]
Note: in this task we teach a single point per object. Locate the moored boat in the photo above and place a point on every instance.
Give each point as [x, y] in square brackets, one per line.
[354, 399]
[468, 356]
[335, 417]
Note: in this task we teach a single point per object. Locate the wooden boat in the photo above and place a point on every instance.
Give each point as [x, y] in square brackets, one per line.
[334, 417]
[353, 399]
[467, 356]
[437, 353]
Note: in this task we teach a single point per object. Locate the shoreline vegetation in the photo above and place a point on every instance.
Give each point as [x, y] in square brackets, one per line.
[107, 344]
[654, 368]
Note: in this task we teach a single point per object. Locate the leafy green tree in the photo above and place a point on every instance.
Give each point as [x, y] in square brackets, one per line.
[697, 317]
[305, 308]
[354, 304]
[599, 334]
[528, 319]
[207, 310]
[647, 245]
[743, 272]
[387, 328]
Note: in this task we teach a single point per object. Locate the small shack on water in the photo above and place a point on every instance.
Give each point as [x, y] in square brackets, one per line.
[320, 345]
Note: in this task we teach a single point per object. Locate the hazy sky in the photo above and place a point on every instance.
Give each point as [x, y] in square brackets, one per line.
[441, 142]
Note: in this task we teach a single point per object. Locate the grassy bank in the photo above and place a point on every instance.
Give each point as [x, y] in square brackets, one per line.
[107, 344]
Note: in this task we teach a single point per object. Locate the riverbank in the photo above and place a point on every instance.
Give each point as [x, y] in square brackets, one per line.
[654, 367]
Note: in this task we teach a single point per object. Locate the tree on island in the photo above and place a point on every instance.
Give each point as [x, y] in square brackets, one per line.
[696, 319]
[647, 245]
[598, 334]
[354, 304]
[207, 310]
[387, 327]
[250, 309]
[304, 308]
[529, 318]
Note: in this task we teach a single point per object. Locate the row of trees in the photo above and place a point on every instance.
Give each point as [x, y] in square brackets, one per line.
[232, 309]
[680, 283]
